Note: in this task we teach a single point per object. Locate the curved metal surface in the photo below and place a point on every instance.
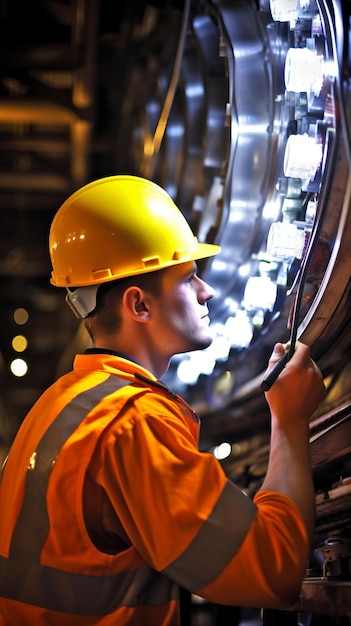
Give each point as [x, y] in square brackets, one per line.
[251, 119]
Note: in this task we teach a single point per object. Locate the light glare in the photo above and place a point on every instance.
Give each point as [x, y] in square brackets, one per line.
[222, 451]
[19, 343]
[19, 367]
[21, 316]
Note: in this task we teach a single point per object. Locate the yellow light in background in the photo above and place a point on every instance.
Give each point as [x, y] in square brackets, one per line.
[19, 367]
[19, 343]
[21, 316]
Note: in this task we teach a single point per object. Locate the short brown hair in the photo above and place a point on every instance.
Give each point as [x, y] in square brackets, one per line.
[105, 317]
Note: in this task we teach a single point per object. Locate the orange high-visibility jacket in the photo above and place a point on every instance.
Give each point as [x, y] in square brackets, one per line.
[107, 507]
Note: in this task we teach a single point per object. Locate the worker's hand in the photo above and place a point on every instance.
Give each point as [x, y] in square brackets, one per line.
[299, 388]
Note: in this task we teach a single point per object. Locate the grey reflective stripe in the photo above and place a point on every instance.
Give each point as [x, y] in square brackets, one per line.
[77, 594]
[217, 542]
[3, 467]
[32, 526]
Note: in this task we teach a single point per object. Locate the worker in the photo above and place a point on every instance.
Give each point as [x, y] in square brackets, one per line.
[108, 507]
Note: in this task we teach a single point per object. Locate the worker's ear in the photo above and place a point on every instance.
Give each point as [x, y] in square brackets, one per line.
[135, 302]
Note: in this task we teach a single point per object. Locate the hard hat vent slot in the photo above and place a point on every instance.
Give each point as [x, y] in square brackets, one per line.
[99, 275]
[179, 254]
[151, 261]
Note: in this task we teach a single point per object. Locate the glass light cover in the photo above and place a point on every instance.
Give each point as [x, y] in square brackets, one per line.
[285, 241]
[304, 70]
[283, 10]
[302, 156]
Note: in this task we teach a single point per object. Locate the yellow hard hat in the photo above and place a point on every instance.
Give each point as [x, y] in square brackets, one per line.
[116, 227]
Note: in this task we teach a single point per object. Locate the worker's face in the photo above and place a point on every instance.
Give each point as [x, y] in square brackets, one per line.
[181, 321]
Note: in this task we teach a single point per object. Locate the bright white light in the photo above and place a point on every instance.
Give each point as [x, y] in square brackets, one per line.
[258, 318]
[232, 305]
[331, 68]
[285, 241]
[19, 367]
[271, 209]
[260, 293]
[205, 361]
[186, 372]
[222, 451]
[239, 330]
[220, 347]
[302, 156]
[283, 10]
[304, 70]
[218, 265]
[244, 270]
[236, 215]
[194, 364]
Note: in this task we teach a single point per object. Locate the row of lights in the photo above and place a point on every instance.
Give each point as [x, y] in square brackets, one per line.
[307, 70]
[19, 366]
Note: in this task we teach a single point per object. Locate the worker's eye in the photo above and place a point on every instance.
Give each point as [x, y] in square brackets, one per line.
[191, 278]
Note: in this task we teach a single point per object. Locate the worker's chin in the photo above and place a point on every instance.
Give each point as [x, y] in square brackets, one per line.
[202, 343]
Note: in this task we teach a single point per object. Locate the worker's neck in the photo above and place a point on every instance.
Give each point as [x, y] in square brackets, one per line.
[157, 364]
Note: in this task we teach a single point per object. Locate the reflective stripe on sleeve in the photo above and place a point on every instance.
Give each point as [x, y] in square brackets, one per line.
[217, 542]
[78, 594]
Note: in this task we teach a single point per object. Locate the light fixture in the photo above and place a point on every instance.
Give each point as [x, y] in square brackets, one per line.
[260, 293]
[304, 71]
[286, 241]
[283, 10]
[302, 157]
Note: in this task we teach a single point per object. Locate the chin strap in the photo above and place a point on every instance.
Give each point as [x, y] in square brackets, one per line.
[82, 301]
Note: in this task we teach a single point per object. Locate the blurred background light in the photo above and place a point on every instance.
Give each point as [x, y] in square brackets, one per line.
[19, 343]
[19, 367]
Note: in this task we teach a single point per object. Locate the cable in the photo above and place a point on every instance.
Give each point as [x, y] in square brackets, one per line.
[164, 116]
[279, 366]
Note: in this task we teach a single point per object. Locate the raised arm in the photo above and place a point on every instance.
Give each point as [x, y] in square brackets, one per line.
[292, 400]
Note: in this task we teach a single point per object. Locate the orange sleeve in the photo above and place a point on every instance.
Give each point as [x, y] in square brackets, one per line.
[268, 569]
[183, 516]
